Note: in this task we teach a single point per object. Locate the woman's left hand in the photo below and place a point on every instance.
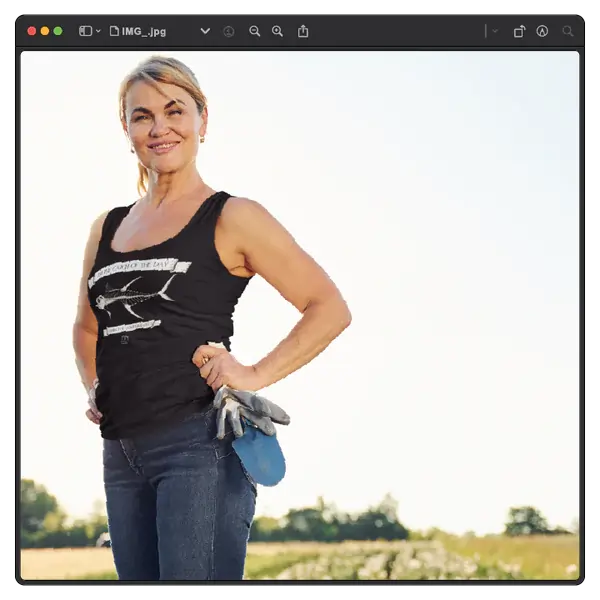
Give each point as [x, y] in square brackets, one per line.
[219, 367]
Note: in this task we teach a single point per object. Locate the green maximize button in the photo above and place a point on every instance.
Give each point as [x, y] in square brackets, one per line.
[57, 30]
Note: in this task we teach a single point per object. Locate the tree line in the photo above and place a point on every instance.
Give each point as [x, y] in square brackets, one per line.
[324, 523]
[43, 523]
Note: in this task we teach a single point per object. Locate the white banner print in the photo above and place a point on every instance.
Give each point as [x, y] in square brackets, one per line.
[173, 265]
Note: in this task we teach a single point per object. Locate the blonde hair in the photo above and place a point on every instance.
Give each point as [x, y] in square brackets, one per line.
[160, 69]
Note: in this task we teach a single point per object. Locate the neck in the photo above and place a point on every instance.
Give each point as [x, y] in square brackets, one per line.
[165, 188]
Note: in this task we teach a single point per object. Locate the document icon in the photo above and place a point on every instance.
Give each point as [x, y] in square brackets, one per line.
[114, 30]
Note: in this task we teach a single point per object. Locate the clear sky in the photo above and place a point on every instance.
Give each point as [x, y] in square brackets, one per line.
[439, 191]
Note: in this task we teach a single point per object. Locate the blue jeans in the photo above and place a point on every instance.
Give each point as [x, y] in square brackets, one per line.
[179, 503]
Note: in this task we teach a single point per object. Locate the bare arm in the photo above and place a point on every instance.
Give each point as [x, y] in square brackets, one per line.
[85, 328]
[271, 252]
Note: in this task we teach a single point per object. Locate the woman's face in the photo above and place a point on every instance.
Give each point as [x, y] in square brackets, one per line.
[164, 128]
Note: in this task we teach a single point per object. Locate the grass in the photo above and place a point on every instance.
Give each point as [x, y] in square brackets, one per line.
[263, 561]
[539, 557]
[257, 566]
[65, 563]
[449, 557]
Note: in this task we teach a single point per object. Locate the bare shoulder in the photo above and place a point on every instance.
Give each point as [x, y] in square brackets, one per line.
[95, 231]
[249, 230]
[250, 219]
[238, 210]
[99, 222]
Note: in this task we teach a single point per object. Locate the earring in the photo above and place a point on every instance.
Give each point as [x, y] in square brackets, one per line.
[202, 139]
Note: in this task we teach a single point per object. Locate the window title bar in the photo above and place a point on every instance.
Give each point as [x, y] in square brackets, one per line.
[298, 31]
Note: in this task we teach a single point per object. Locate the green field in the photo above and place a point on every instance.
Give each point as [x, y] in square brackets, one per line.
[489, 558]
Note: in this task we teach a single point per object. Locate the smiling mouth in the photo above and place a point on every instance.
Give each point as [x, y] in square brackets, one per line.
[163, 148]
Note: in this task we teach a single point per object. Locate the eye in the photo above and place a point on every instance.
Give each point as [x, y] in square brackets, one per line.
[175, 112]
[139, 118]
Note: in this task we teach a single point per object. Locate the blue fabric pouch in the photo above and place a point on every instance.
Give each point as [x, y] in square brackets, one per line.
[261, 455]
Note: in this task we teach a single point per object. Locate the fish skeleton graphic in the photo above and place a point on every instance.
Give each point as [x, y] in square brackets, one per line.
[129, 297]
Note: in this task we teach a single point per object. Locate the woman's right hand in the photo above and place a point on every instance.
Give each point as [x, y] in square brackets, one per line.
[92, 413]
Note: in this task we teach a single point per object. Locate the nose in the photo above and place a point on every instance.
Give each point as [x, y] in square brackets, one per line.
[159, 128]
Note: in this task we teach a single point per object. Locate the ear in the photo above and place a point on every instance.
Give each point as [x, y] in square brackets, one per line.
[203, 121]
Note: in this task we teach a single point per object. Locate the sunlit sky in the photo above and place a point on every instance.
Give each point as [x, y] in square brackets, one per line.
[439, 191]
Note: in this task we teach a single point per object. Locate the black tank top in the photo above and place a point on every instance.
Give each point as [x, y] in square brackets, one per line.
[154, 307]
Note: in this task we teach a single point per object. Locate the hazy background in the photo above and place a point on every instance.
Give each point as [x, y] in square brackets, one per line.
[440, 192]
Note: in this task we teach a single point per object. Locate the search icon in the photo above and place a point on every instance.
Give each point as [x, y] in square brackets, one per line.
[254, 30]
[277, 30]
[568, 31]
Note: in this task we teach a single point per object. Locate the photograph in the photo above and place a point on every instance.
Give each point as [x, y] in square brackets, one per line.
[304, 315]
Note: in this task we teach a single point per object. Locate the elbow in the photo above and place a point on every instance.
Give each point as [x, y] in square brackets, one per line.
[340, 315]
[334, 310]
[348, 317]
[345, 315]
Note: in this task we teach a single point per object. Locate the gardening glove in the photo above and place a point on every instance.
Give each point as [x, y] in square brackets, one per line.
[233, 405]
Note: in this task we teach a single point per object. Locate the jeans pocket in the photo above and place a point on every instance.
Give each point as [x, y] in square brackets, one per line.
[229, 461]
[197, 431]
[223, 448]
[210, 416]
[249, 477]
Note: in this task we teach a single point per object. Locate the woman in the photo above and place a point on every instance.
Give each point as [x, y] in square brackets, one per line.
[161, 278]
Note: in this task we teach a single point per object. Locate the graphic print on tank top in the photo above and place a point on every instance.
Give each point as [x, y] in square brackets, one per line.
[129, 296]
